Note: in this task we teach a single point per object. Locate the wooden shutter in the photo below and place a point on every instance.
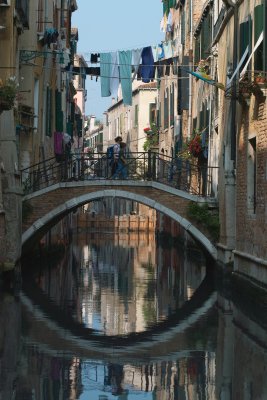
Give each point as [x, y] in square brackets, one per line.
[166, 109]
[48, 112]
[258, 28]
[59, 113]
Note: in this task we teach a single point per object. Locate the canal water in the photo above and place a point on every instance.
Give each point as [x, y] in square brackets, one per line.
[130, 315]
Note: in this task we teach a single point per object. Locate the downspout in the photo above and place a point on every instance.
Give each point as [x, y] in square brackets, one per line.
[189, 121]
[233, 101]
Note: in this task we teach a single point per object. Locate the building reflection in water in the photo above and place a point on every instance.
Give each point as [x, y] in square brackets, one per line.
[121, 286]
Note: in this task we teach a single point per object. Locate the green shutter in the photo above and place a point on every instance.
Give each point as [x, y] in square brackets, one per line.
[136, 115]
[197, 50]
[172, 106]
[70, 128]
[48, 112]
[258, 21]
[205, 37]
[166, 109]
[59, 113]
[258, 28]
[183, 27]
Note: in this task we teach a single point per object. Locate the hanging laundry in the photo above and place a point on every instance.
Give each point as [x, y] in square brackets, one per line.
[160, 69]
[105, 73]
[168, 52]
[136, 59]
[147, 69]
[155, 53]
[168, 63]
[161, 54]
[170, 21]
[114, 76]
[125, 63]
[58, 145]
[50, 36]
[94, 58]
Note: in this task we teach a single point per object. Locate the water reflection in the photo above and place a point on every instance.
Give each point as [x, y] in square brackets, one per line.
[214, 348]
[123, 284]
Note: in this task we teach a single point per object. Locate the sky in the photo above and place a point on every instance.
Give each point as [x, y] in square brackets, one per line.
[112, 25]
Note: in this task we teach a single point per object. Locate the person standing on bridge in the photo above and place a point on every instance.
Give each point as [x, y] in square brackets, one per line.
[119, 158]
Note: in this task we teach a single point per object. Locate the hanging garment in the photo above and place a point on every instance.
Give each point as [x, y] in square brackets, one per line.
[167, 46]
[147, 69]
[105, 73]
[114, 76]
[160, 69]
[155, 53]
[125, 62]
[94, 58]
[136, 59]
[161, 54]
[168, 63]
[170, 21]
[58, 143]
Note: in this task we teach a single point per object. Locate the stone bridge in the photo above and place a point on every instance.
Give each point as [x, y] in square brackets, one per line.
[50, 204]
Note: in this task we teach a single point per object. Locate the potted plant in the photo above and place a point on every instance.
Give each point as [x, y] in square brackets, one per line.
[8, 91]
[195, 147]
[260, 79]
[152, 138]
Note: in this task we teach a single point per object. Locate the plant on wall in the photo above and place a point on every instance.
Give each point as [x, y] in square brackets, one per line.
[8, 92]
[152, 138]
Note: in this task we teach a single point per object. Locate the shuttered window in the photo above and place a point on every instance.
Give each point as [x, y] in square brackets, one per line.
[172, 106]
[58, 111]
[258, 28]
[166, 109]
[152, 113]
[183, 26]
[136, 115]
[245, 39]
[205, 37]
[48, 112]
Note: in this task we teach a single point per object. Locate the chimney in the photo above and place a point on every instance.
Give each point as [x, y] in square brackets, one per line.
[92, 123]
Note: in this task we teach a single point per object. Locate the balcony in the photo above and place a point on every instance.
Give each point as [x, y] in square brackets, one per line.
[22, 9]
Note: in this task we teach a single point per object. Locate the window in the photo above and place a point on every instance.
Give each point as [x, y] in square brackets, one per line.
[48, 112]
[40, 16]
[251, 175]
[245, 39]
[152, 113]
[4, 2]
[166, 109]
[136, 111]
[172, 105]
[258, 28]
[205, 37]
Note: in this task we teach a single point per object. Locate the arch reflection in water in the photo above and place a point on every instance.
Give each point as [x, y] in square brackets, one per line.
[118, 284]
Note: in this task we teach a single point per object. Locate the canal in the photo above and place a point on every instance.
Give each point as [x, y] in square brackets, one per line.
[130, 314]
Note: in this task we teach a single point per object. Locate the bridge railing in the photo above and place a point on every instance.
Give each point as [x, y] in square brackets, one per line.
[186, 175]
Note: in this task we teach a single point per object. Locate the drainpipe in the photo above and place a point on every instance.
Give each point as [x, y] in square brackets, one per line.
[189, 121]
[233, 101]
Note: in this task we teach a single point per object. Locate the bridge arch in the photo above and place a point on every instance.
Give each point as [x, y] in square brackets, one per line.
[154, 202]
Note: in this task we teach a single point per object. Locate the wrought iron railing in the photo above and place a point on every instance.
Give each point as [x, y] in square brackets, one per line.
[189, 176]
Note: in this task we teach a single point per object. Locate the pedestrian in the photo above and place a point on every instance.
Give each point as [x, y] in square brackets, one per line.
[120, 160]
